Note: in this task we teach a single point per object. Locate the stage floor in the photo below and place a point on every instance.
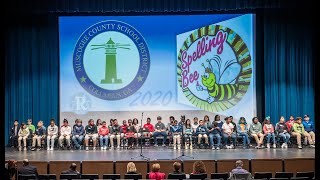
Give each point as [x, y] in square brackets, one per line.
[160, 153]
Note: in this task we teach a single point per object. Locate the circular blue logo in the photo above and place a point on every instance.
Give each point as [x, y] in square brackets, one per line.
[111, 60]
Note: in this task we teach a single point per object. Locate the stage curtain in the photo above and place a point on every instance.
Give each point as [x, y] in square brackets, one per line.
[31, 73]
[288, 66]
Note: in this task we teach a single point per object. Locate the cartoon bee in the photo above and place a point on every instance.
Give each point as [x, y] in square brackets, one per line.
[224, 86]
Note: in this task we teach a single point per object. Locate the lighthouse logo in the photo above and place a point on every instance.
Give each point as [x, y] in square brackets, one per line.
[111, 60]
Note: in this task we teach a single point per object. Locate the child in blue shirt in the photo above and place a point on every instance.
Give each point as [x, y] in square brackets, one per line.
[201, 132]
[176, 130]
[309, 127]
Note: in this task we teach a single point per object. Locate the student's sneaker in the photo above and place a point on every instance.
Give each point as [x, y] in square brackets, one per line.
[156, 145]
[300, 147]
[257, 147]
[262, 146]
[33, 148]
[20, 148]
[179, 147]
[94, 148]
[286, 145]
[191, 147]
[105, 147]
[25, 148]
[312, 146]
[48, 149]
[186, 147]
[51, 149]
[268, 146]
[274, 146]
[112, 147]
[232, 146]
[163, 145]
[213, 148]
[87, 148]
[218, 148]
[227, 147]
[118, 147]
[283, 145]
[174, 147]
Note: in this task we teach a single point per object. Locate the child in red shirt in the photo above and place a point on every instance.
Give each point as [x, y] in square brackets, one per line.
[104, 136]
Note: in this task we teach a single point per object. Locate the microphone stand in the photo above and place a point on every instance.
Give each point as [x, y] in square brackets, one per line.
[183, 147]
[141, 155]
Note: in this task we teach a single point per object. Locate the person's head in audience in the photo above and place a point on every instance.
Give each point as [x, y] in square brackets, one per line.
[115, 122]
[299, 120]
[148, 120]
[131, 167]
[217, 118]
[73, 166]
[25, 162]
[52, 122]
[155, 167]
[198, 167]
[16, 122]
[281, 119]
[176, 167]
[188, 123]
[12, 164]
[135, 121]
[255, 120]
[239, 164]
[98, 122]
[200, 123]
[195, 120]
[159, 119]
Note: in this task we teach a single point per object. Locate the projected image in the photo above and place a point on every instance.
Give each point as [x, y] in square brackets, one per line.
[120, 66]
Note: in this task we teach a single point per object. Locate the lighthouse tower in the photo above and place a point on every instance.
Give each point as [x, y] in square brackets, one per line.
[111, 64]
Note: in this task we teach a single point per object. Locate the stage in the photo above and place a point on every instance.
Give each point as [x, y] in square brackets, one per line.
[159, 153]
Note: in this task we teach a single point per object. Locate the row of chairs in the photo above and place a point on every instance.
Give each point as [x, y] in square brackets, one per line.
[224, 176]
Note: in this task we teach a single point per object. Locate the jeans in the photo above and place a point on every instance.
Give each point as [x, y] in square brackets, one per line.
[217, 136]
[77, 141]
[285, 136]
[233, 137]
[156, 134]
[105, 138]
[245, 138]
[269, 135]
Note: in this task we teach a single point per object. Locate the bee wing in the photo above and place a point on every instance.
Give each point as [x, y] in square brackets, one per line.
[229, 72]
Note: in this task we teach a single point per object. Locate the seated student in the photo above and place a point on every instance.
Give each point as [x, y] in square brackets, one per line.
[199, 167]
[23, 135]
[72, 170]
[27, 169]
[40, 133]
[228, 132]
[171, 119]
[239, 170]
[91, 132]
[309, 127]
[182, 121]
[195, 124]
[138, 133]
[30, 126]
[201, 132]
[243, 132]
[214, 133]
[289, 124]
[131, 168]
[110, 125]
[219, 122]
[52, 132]
[155, 172]
[104, 136]
[175, 130]
[98, 124]
[115, 133]
[130, 134]
[206, 121]
[176, 168]
[65, 133]
[234, 125]
[298, 131]
[282, 130]
[78, 134]
[187, 132]
[268, 130]
[123, 131]
[255, 131]
[150, 128]
[160, 130]
[13, 141]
